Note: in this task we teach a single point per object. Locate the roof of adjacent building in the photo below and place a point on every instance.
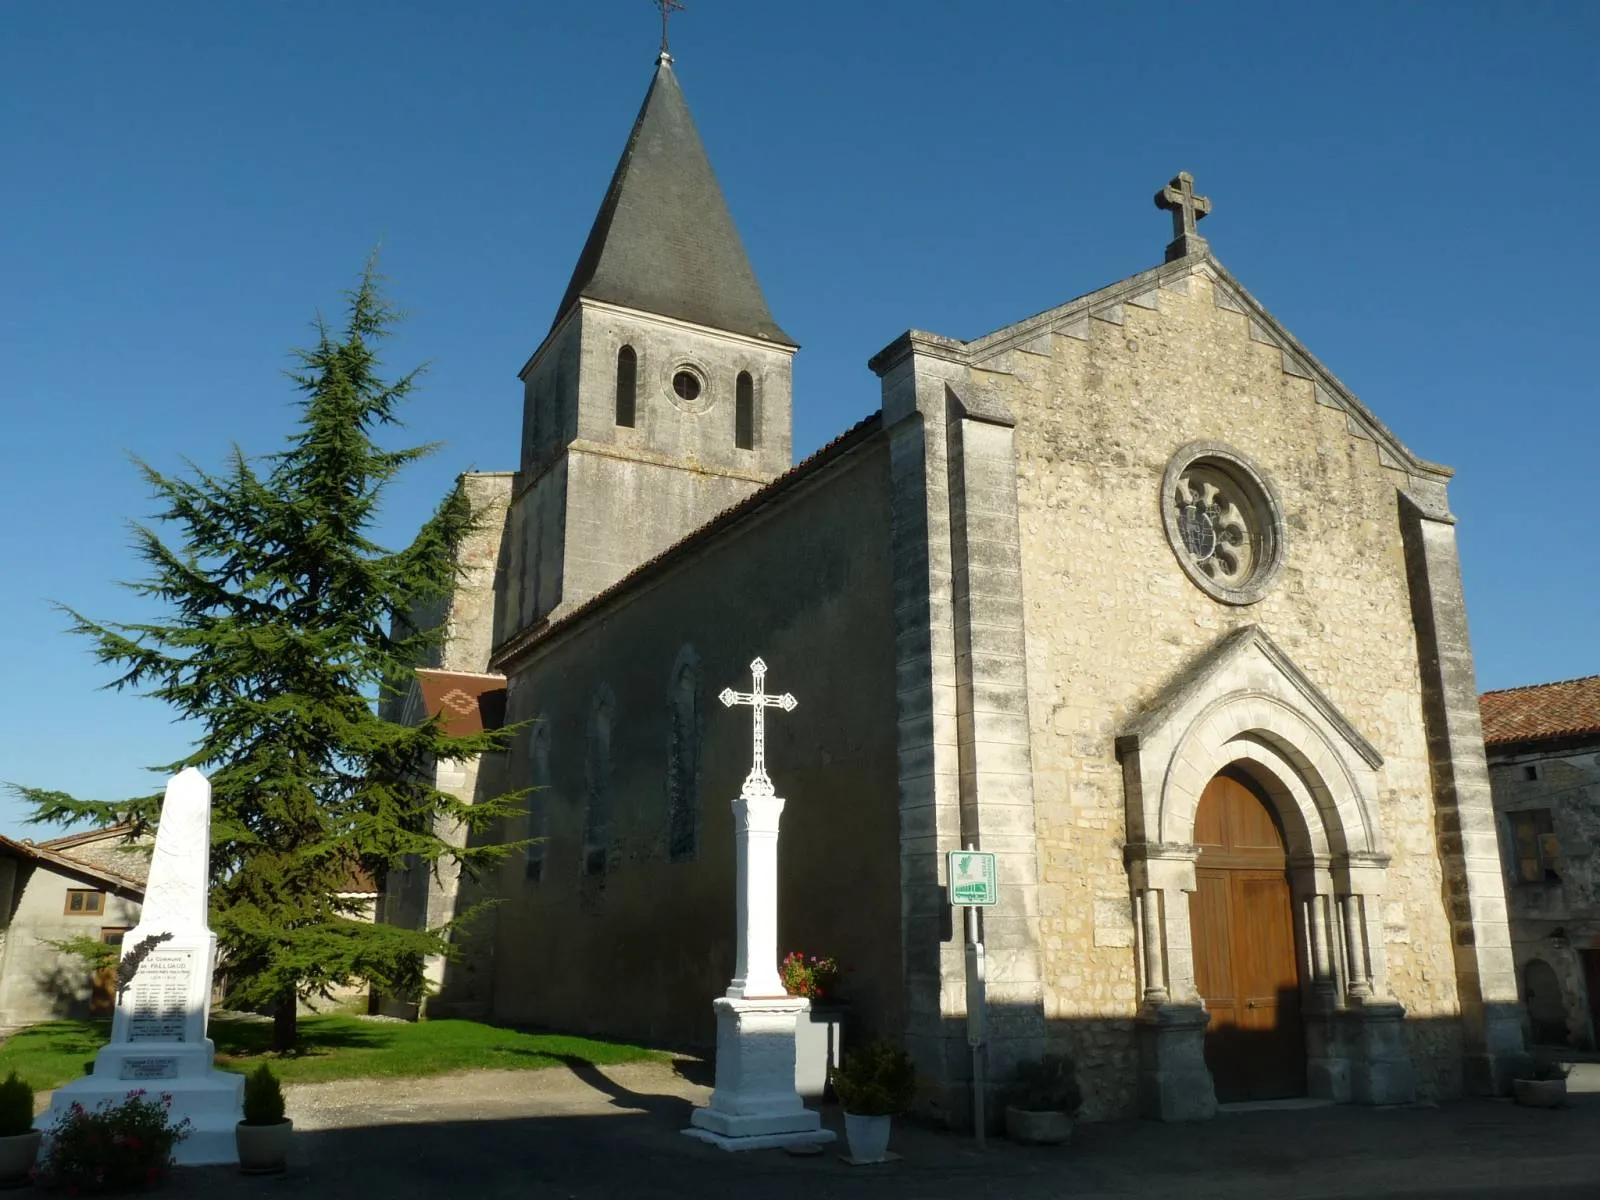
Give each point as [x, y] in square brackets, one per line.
[1542, 712]
[663, 241]
[55, 855]
[468, 701]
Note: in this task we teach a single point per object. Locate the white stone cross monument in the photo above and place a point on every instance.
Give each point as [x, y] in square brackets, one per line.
[158, 1033]
[755, 1104]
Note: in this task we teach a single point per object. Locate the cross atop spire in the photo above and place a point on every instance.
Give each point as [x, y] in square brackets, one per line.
[1179, 199]
[667, 7]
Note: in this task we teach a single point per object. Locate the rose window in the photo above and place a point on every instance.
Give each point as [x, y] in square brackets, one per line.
[1224, 522]
[1214, 529]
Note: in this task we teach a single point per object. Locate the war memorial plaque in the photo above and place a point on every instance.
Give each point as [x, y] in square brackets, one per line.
[159, 1004]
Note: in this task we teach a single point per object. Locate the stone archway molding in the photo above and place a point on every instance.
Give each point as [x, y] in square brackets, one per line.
[1245, 705]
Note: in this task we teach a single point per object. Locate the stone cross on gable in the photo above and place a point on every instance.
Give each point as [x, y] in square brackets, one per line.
[1187, 209]
[758, 783]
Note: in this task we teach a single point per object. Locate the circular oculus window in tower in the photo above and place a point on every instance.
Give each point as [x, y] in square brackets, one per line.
[686, 385]
[1224, 522]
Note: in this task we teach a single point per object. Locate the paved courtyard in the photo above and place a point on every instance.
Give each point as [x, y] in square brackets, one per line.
[583, 1132]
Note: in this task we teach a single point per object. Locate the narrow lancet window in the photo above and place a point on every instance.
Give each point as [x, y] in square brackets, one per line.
[683, 759]
[597, 817]
[744, 412]
[538, 802]
[627, 385]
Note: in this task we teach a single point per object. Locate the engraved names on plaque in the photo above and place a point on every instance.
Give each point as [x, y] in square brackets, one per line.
[158, 1008]
[149, 1068]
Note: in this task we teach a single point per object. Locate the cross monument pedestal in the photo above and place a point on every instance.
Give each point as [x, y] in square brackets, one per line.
[158, 1032]
[755, 1104]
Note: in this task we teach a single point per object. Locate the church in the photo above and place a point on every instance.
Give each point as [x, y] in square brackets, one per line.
[1132, 593]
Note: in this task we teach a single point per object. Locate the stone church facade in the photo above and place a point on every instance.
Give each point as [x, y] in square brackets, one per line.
[1133, 593]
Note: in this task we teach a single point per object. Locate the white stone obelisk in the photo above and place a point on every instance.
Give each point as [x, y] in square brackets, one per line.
[158, 1032]
[755, 1104]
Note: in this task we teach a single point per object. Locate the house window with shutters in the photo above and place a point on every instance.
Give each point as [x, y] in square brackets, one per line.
[1535, 852]
[82, 902]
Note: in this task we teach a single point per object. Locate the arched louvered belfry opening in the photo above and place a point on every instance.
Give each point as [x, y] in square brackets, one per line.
[627, 386]
[744, 412]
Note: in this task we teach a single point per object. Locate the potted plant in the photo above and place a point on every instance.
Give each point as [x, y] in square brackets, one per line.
[19, 1140]
[1041, 1101]
[264, 1135]
[817, 1040]
[875, 1081]
[1542, 1084]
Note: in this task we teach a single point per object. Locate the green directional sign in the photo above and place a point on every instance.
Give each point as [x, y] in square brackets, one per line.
[972, 878]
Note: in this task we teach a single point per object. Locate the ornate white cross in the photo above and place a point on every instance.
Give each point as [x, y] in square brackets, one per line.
[757, 783]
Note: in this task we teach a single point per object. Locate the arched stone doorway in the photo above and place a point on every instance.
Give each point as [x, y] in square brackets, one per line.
[1246, 714]
[1243, 928]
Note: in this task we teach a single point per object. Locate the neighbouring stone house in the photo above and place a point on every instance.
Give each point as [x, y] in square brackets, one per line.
[1543, 744]
[1134, 593]
[84, 884]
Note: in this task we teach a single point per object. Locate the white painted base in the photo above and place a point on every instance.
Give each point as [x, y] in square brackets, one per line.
[763, 1141]
[755, 1105]
[212, 1100]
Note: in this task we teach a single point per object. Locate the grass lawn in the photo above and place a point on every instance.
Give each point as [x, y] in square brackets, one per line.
[331, 1047]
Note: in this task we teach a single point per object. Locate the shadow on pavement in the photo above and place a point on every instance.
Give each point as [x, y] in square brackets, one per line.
[636, 1149]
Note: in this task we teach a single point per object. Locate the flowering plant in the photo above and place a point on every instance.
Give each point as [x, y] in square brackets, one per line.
[113, 1147]
[808, 975]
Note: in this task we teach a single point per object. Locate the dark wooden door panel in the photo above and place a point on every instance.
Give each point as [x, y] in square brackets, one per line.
[1209, 923]
[1242, 926]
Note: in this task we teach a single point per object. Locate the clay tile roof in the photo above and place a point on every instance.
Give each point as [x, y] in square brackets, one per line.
[1541, 712]
[469, 703]
[860, 432]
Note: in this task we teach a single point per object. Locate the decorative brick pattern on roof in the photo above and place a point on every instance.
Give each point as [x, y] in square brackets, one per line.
[1542, 712]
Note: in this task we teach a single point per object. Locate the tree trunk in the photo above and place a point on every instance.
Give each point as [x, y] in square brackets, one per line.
[283, 1023]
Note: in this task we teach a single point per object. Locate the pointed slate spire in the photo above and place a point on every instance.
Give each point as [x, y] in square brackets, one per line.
[663, 241]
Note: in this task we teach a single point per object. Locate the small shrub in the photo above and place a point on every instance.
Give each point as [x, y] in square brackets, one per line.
[263, 1097]
[875, 1080]
[16, 1107]
[1048, 1084]
[114, 1147]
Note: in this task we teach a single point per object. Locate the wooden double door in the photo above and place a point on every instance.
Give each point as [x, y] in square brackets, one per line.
[1242, 922]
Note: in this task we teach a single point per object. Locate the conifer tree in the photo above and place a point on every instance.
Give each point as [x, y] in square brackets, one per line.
[284, 622]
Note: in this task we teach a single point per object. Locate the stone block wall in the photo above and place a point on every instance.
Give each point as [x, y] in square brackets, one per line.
[1555, 920]
[616, 932]
[1102, 401]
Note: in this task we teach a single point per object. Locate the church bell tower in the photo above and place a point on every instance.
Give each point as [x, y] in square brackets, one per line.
[661, 394]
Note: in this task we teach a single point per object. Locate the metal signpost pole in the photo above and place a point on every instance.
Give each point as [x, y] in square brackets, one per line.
[977, 1014]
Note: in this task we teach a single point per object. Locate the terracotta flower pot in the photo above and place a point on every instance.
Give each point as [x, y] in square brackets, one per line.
[1041, 1127]
[263, 1149]
[1540, 1093]
[17, 1155]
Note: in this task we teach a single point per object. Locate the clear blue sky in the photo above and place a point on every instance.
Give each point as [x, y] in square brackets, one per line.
[1412, 188]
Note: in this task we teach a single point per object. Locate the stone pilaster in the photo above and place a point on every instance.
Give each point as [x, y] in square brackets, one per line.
[1463, 813]
[995, 757]
[964, 765]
